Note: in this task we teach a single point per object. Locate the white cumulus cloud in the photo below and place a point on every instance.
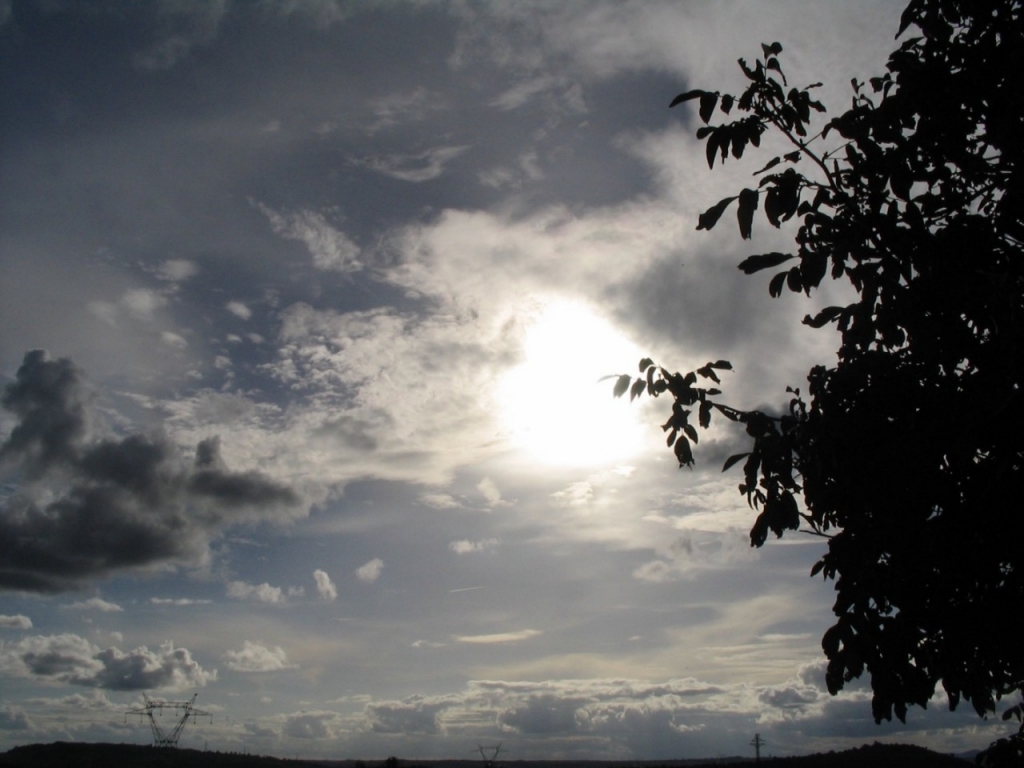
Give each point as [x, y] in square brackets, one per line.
[263, 593]
[324, 585]
[256, 657]
[370, 572]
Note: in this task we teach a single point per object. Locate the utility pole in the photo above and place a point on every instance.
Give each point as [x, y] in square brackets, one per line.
[757, 743]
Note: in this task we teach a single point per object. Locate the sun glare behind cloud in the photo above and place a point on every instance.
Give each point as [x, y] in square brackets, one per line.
[553, 406]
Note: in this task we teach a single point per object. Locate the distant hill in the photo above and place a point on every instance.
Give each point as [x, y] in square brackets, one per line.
[64, 754]
[74, 755]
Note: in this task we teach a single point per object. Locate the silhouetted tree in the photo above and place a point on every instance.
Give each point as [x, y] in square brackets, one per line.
[908, 453]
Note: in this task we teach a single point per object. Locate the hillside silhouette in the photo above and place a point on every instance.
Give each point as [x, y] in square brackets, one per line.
[76, 755]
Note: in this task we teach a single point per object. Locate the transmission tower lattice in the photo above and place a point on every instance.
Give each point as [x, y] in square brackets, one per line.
[489, 754]
[183, 710]
[757, 742]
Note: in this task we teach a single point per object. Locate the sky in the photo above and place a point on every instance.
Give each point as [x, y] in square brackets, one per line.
[303, 310]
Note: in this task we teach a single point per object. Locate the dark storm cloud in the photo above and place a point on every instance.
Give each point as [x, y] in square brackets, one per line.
[74, 660]
[89, 507]
[47, 397]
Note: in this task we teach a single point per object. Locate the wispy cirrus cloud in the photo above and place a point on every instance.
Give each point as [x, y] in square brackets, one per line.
[95, 604]
[498, 637]
[416, 168]
[332, 250]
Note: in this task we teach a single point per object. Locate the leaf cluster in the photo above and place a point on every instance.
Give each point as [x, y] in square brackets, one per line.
[908, 453]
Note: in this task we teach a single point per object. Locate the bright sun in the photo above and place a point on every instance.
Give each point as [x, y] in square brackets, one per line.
[552, 405]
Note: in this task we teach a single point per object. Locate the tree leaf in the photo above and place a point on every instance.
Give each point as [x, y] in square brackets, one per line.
[745, 212]
[686, 97]
[710, 217]
[825, 316]
[708, 102]
[621, 385]
[753, 264]
[708, 373]
[774, 64]
[683, 452]
[775, 286]
[712, 145]
[771, 164]
[734, 459]
[794, 281]
[637, 389]
[704, 415]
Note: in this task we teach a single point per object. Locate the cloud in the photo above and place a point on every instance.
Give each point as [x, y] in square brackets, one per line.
[575, 495]
[95, 604]
[15, 622]
[177, 270]
[96, 701]
[262, 593]
[489, 490]
[50, 402]
[395, 394]
[424, 166]
[143, 303]
[324, 586]
[13, 719]
[256, 657]
[172, 339]
[177, 28]
[500, 637]
[258, 731]
[413, 715]
[178, 601]
[440, 500]
[73, 660]
[545, 714]
[238, 309]
[308, 725]
[465, 546]
[331, 249]
[88, 507]
[525, 91]
[401, 108]
[370, 572]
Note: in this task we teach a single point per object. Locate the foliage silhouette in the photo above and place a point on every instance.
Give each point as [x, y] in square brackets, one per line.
[908, 453]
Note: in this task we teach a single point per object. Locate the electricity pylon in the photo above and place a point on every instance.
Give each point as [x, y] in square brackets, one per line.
[757, 742]
[186, 708]
[489, 754]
